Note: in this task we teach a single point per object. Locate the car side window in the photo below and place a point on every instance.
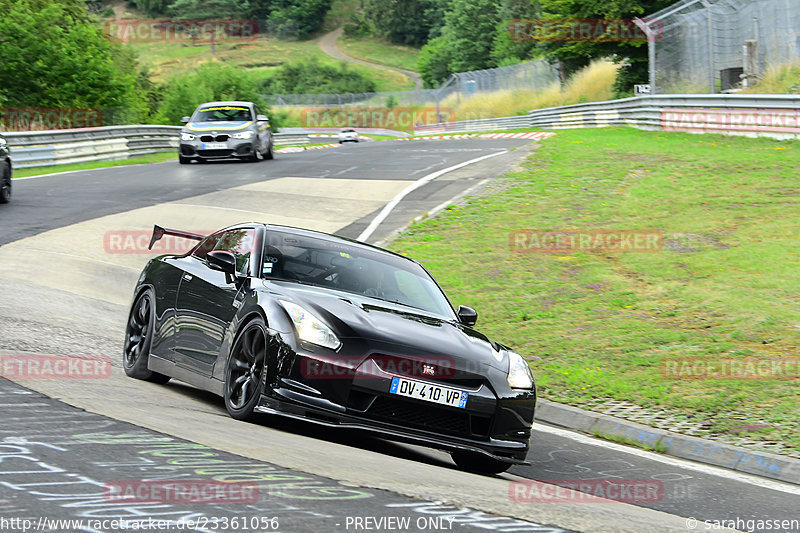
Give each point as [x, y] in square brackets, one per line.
[239, 242]
[206, 245]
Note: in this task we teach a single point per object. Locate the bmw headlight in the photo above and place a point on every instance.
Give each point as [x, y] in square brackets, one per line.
[188, 137]
[310, 328]
[247, 134]
[519, 373]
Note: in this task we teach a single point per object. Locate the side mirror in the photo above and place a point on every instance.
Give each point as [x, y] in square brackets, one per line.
[262, 118]
[222, 261]
[467, 315]
[185, 119]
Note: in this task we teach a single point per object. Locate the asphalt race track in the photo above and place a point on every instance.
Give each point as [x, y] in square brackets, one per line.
[67, 271]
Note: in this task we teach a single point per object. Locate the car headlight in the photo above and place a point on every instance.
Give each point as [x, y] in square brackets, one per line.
[310, 328]
[188, 137]
[519, 373]
[243, 134]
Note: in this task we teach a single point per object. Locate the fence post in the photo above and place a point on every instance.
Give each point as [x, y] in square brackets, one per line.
[651, 52]
[710, 37]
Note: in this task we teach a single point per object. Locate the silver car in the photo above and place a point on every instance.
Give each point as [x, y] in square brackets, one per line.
[225, 130]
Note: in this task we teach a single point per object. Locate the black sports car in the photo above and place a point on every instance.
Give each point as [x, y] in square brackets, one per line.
[315, 326]
[5, 172]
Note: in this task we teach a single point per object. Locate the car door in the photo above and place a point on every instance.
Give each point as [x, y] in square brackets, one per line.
[207, 299]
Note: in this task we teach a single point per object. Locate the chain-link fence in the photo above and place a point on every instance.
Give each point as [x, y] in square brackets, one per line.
[531, 75]
[712, 46]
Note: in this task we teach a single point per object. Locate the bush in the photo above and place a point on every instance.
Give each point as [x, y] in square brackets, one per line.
[313, 77]
[183, 93]
[358, 27]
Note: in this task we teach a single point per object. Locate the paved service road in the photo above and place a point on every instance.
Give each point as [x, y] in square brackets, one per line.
[74, 291]
[63, 469]
[55, 201]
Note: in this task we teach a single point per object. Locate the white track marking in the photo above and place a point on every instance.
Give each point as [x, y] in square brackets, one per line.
[85, 170]
[675, 461]
[388, 208]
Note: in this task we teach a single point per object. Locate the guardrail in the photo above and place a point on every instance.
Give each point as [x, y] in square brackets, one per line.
[59, 147]
[776, 116]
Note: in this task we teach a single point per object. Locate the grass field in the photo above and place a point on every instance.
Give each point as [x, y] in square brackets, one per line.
[376, 51]
[71, 167]
[600, 325]
[258, 55]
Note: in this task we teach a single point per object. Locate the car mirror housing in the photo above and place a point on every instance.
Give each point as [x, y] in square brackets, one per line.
[467, 315]
[185, 119]
[262, 118]
[222, 261]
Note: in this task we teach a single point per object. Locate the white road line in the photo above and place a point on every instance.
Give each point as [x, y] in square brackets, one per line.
[674, 461]
[82, 258]
[85, 170]
[416, 185]
[222, 208]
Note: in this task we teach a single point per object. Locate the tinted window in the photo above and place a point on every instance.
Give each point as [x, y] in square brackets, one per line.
[354, 269]
[223, 114]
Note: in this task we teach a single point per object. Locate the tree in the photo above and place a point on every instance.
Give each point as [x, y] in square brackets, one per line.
[72, 64]
[208, 9]
[577, 54]
[470, 27]
[153, 8]
[505, 49]
[434, 62]
[405, 21]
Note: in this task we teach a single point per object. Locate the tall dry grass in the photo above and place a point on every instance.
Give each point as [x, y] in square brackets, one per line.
[784, 79]
[591, 84]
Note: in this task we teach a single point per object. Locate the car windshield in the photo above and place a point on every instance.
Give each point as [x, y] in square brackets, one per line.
[353, 269]
[222, 114]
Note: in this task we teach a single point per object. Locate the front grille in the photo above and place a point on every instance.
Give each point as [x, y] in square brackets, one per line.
[214, 153]
[211, 138]
[430, 418]
[441, 369]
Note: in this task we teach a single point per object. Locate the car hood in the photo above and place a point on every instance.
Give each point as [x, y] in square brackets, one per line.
[374, 326]
[216, 126]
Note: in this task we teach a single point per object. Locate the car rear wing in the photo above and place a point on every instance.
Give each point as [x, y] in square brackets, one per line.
[159, 232]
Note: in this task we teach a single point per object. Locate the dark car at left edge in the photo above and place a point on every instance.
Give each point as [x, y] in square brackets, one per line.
[5, 172]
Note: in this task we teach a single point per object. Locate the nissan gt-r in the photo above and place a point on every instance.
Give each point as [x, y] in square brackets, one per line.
[333, 331]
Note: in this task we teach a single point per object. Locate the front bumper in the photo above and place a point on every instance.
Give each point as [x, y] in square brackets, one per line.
[496, 420]
[234, 149]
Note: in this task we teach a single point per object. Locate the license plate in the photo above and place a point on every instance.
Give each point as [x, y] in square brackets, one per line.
[215, 146]
[429, 392]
